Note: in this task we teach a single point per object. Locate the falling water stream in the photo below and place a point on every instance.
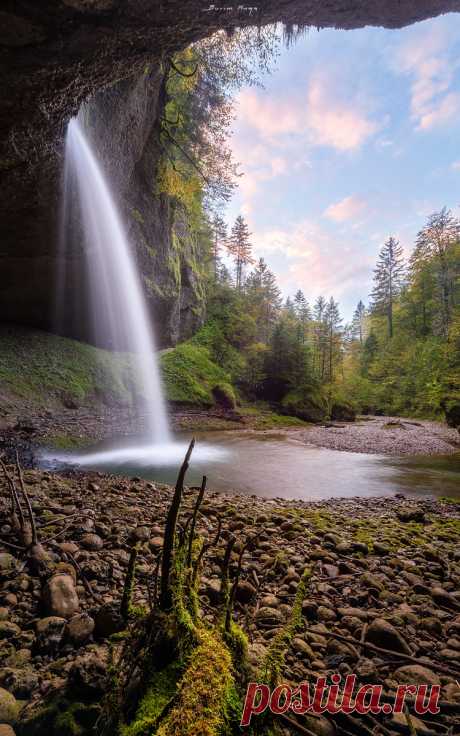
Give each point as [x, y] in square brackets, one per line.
[117, 307]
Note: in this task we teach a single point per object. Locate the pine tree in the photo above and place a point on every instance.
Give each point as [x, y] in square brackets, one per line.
[437, 242]
[388, 280]
[320, 336]
[333, 322]
[240, 248]
[264, 298]
[303, 314]
[219, 241]
[288, 307]
[370, 350]
[358, 323]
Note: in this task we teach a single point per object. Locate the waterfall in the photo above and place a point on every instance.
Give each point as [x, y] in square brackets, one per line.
[117, 304]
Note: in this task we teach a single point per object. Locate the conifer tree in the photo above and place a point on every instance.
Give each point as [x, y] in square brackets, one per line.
[240, 248]
[333, 322]
[388, 280]
[320, 335]
[303, 314]
[264, 297]
[219, 241]
[436, 242]
[358, 323]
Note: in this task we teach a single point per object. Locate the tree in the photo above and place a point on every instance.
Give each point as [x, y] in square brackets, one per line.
[358, 323]
[333, 322]
[437, 242]
[319, 335]
[240, 248]
[388, 280]
[370, 350]
[197, 95]
[303, 314]
[264, 298]
[219, 241]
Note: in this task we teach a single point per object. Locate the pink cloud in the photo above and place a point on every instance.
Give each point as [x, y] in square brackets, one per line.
[347, 209]
[427, 60]
[314, 262]
[336, 123]
[319, 114]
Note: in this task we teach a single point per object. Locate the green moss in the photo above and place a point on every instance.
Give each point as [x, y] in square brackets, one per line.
[137, 216]
[48, 369]
[307, 405]
[207, 698]
[160, 691]
[64, 441]
[189, 375]
[261, 417]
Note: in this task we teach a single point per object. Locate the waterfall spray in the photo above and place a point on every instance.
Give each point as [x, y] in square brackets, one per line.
[118, 307]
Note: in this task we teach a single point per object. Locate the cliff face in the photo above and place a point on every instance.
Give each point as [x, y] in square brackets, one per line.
[59, 53]
[123, 124]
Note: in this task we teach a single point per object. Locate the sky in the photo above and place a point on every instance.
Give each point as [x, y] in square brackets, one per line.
[355, 137]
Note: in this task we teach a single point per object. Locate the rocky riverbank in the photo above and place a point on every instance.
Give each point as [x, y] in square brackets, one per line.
[385, 436]
[386, 576]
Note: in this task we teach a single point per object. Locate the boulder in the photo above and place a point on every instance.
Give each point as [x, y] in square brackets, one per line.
[60, 597]
[108, 621]
[269, 617]
[6, 730]
[415, 674]
[49, 634]
[444, 598]
[224, 396]
[8, 563]
[88, 673]
[79, 629]
[343, 412]
[9, 707]
[8, 630]
[452, 412]
[92, 542]
[384, 635]
[245, 592]
[309, 407]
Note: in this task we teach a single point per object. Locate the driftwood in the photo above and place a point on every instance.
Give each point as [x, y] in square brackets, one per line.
[170, 531]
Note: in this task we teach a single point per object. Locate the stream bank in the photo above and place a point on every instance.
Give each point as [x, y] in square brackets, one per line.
[386, 573]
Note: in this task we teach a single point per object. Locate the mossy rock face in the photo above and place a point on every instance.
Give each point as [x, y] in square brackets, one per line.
[452, 412]
[190, 376]
[309, 407]
[343, 412]
[224, 395]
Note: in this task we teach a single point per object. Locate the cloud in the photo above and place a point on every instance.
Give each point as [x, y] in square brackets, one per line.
[427, 59]
[347, 209]
[270, 132]
[319, 114]
[455, 165]
[313, 260]
[269, 117]
[336, 123]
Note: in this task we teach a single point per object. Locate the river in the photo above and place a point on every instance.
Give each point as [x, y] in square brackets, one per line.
[275, 465]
